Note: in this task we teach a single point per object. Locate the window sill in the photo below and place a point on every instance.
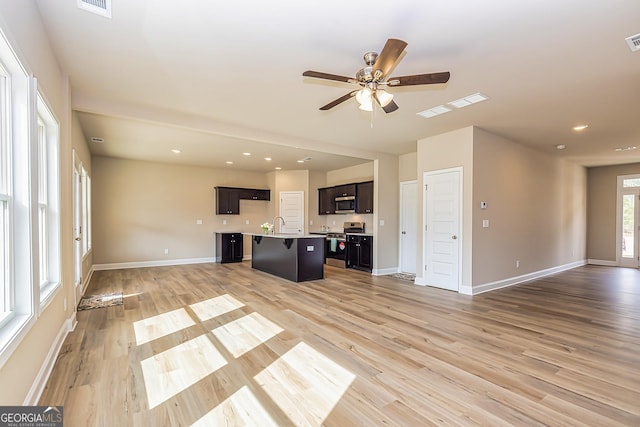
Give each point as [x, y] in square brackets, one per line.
[47, 293]
[12, 333]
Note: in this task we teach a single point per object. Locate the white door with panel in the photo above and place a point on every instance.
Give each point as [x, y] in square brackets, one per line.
[292, 211]
[628, 222]
[77, 232]
[408, 226]
[442, 238]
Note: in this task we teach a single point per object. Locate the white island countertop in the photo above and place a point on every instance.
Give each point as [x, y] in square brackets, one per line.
[288, 235]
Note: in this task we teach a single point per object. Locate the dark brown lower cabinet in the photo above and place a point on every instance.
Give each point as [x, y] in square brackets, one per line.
[229, 247]
[360, 252]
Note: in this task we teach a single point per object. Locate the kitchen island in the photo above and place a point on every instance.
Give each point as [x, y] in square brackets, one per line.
[291, 256]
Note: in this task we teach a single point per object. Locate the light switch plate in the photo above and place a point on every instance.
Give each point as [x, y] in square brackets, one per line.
[199, 221]
[485, 223]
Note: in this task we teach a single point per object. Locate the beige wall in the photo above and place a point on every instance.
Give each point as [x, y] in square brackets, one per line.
[535, 207]
[20, 21]
[289, 181]
[141, 208]
[408, 167]
[386, 210]
[358, 173]
[316, 180]
[448, 150]
[601, 210]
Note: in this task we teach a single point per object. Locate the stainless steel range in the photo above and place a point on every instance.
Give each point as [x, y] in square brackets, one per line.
[336, 245]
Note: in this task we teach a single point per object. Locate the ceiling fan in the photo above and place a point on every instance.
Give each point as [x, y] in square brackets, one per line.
[374, 78]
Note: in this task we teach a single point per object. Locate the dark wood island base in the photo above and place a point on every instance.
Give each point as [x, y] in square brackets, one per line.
[295, 258]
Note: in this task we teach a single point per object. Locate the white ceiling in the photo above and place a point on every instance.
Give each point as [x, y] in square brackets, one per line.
[216, 79]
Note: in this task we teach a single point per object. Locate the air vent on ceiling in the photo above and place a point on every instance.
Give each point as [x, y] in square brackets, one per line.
[99, 7]
[634, 42]
[96, 140]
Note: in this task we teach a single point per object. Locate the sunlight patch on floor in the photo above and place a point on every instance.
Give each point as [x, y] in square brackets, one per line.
[161, 325]
[305, 384]
[240, 409]
[168, 373]
[246, 333]
[214, 307]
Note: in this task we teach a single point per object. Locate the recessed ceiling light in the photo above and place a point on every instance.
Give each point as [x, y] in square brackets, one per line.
[580, 127]
[246, 154]
[435, 111]
[229, 162]
[96, 140]
[561, 146]
[468, 100]
[176, 151]
[300, 161]
[626, 148]
[268, 159]
[278, 168]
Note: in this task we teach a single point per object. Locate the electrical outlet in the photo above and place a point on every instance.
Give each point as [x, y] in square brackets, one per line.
[166, 251]
[224, 222]
[517, 263]
[246, 222]
[310, 222]
[198, 221]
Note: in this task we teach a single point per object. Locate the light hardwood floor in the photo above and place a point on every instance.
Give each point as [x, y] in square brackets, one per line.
[221, 344]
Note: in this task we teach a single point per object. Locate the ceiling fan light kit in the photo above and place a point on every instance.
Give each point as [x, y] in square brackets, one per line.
[374, 78]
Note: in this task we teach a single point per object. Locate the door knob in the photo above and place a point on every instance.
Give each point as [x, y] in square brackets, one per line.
[404, 232]
[454, 237]
[77, 239]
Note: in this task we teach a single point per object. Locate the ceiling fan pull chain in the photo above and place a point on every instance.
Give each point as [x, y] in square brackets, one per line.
[373, 110]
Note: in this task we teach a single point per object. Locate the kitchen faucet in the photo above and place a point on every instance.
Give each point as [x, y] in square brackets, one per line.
[274, 224]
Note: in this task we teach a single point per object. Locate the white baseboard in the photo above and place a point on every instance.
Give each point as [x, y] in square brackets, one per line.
[87, 279]
[602, 262]
[475, 290]
[33, 396]
[384, 271]
[158, 263]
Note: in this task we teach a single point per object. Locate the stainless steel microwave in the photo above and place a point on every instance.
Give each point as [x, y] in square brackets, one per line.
[346, 204]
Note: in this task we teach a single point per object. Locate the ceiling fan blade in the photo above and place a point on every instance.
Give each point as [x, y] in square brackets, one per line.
[420, 79]
[390, 107]
[338, 101]
[388, 57]
[327, 76]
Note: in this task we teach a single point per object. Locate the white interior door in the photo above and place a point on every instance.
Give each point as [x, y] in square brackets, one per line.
[292, 210]
[442, 242]
[77, 233]
[408, 226]
[628, 223]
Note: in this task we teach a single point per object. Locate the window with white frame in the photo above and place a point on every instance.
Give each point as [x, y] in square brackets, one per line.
[30, 261]
[17, 272]
[48, 201]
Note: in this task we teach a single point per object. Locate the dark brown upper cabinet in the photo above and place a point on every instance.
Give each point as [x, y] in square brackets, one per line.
[228, 198]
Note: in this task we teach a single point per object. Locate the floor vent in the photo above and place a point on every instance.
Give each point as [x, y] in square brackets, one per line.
[99, 7]
[634, 42]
